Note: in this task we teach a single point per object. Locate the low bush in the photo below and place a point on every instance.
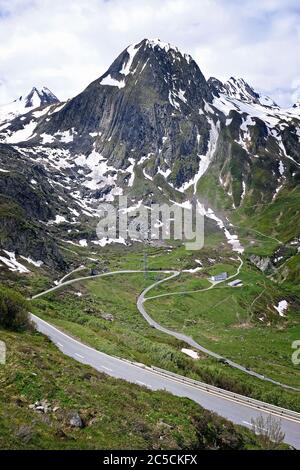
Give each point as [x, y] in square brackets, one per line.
[13, 310]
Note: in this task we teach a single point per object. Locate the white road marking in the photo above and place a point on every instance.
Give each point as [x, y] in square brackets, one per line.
[248, 404]
[251, 424]
[79, 355]
[246, 422]
[60, 345]
[283, 413]
[106, 368]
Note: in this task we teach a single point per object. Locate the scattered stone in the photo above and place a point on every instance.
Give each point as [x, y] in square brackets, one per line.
[107, 316]
[164, 425]
[42, 406]
[75, 420]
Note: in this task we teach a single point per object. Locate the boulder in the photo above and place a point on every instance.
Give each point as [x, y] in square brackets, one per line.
[75, 420]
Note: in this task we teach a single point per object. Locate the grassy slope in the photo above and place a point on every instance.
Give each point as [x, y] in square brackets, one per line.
[278, 219]
[225, 320]
[130, 336]
[116, 414]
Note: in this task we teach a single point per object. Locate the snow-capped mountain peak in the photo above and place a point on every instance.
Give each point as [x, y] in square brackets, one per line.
[34, 99]
[167, 47]
[39, 97]
[136, 57]
[239, 89]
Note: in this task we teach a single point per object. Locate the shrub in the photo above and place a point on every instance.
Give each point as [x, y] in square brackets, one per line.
[13, 310]
[215, 433]
[269, 431]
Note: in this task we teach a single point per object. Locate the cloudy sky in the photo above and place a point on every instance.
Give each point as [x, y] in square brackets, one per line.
[65, 44]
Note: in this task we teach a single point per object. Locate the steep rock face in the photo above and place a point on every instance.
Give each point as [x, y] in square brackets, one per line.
[154, 109]
[23, 236]
[154, 105]
[149, 102]
[35, 201]
[291, 141]
[27, 203]
[258, 146]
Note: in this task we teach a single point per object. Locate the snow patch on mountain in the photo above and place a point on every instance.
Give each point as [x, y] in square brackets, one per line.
[231, 238]
[47, 139]
[101, 173]
[281, 307]
[29, 260]
[108, 80]
[206, 159]
[130, 169]
[12, 263]
[175, 95]
[131, 51]
[22, 134]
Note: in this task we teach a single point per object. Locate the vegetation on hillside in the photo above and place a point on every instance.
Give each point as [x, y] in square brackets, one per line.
[13, 310]
[49, 401]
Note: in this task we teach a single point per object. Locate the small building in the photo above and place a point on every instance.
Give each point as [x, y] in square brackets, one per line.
[235, 283]
[219, 277]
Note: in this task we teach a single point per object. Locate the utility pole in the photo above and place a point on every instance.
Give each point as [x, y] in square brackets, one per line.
[145, 248]
[145, 263]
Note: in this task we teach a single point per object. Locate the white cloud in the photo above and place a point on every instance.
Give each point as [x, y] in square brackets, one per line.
[67, 44]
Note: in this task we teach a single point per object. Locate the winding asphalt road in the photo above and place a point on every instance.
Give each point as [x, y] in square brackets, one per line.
[187, 339]
[237, 408]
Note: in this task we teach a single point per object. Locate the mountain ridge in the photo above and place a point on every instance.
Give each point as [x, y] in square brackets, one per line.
[153, 128]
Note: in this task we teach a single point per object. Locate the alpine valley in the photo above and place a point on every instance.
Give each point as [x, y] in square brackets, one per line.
[154, 129]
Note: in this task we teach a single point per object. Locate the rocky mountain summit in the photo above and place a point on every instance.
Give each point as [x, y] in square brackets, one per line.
[154, 128]
[237, 88]
[39, 97]
[36, 98]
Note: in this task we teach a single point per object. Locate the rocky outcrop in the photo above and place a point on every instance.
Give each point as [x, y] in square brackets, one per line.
[75, 420]
[264, 264]
[27, 202]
